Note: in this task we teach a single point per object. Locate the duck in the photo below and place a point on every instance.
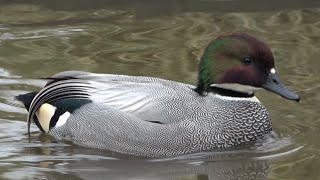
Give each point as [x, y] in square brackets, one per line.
[154, 117]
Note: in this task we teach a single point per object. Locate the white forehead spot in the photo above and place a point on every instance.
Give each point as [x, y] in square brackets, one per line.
[62, 119]
[44, 115]
[273, 70]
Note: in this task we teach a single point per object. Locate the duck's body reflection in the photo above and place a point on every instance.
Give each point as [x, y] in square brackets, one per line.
[204, 166]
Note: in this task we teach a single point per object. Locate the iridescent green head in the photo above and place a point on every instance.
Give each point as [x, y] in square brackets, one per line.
[239, 62]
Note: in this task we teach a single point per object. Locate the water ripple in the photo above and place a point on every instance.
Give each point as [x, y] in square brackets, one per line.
[37, 42]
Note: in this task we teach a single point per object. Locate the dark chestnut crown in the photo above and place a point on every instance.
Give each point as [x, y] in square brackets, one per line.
[237, 58]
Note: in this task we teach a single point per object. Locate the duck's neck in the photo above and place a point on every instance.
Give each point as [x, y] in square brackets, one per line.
[207, 64]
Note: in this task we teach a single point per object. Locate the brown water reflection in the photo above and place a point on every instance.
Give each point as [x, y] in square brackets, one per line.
[162, 39]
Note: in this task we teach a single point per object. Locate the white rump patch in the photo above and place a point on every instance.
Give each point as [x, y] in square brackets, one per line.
[62, 119]
[273, 70]
[44, 115]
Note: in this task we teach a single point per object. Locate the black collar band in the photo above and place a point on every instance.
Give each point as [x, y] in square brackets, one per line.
[230, 93]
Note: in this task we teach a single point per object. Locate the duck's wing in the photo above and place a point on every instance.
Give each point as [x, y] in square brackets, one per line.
[149, 99]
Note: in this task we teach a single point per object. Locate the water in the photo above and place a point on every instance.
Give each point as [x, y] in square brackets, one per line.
[161, 39]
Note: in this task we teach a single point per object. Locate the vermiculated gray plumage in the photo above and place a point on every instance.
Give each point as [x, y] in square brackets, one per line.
[122, 106]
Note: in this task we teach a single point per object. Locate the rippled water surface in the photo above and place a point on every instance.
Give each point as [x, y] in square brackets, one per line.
[161, 39]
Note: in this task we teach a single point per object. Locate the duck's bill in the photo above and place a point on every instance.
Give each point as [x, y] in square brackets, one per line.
[274, 84]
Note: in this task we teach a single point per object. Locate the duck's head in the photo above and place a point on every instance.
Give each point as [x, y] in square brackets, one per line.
[242, 63]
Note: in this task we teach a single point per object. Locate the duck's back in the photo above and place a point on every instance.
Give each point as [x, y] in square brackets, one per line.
[149, 99]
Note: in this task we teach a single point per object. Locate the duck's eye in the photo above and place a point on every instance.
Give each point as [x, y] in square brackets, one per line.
[247, 61]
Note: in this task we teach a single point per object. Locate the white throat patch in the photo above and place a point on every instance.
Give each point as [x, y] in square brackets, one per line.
[253, 99]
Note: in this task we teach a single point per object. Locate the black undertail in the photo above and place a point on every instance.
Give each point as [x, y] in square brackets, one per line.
[26, 98]
[68, 93]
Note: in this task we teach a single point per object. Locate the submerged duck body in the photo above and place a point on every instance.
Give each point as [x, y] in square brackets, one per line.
[153, 117]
